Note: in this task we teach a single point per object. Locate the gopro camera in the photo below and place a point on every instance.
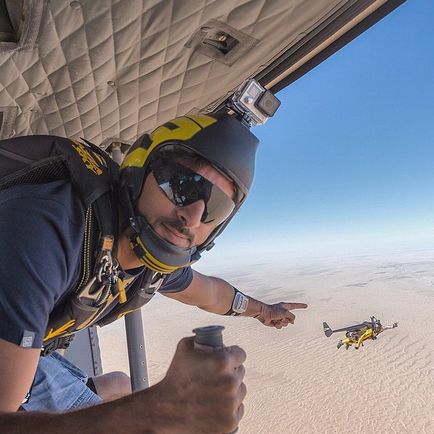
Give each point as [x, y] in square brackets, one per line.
[254, 103]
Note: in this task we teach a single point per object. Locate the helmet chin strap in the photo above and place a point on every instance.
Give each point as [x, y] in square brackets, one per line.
[153, 251]
[156, 253]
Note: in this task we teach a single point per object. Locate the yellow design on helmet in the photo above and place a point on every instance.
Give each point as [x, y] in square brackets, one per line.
[183, 128]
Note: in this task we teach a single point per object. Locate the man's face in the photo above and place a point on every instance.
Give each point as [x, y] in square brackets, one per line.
[180, 226]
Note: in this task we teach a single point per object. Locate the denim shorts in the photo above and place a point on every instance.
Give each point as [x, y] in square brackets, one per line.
[59, 386]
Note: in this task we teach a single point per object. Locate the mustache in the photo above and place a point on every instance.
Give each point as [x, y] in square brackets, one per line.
[178, 225]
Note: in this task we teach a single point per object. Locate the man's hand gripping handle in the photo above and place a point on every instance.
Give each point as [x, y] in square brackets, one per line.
[210, 338]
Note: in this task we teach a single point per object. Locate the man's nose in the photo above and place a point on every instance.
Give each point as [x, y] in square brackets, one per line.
[191, 214]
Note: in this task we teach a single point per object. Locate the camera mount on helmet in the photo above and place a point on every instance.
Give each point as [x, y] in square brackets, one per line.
[253, 103]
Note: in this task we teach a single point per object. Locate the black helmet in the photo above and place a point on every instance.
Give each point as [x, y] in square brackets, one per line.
[219, 138]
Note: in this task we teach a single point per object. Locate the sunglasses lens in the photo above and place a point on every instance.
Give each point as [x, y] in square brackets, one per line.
[218, 208]
[183, 187]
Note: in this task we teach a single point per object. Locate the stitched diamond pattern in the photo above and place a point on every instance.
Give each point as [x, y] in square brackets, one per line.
[114, 69]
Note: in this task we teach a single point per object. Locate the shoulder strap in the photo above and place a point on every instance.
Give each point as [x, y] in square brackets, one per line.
[93, 174]
[36, 159]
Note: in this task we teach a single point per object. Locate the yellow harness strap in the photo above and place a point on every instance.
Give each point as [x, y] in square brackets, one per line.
[122, 292]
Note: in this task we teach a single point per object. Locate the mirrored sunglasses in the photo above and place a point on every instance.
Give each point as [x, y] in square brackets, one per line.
[183, 186]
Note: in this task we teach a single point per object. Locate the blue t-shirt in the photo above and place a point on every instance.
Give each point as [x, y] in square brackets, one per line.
[41, 237]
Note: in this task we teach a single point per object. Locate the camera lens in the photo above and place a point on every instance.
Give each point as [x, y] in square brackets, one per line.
[268, 104]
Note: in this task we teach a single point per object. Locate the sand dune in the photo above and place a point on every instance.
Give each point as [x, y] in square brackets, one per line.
[298, 382]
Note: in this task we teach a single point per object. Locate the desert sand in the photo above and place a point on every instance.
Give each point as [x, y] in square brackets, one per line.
[297, 380]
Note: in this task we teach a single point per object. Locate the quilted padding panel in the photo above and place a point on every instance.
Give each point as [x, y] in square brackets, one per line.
[111, 70]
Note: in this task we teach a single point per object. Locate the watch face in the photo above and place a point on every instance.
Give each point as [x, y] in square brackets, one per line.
[240, 303]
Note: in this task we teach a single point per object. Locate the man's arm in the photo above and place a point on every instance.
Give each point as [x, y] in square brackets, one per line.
[215, 295]
[201, 392]
[388, 327]
[17, 369]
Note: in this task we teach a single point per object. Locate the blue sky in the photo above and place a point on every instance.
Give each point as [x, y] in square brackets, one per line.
[346, 165]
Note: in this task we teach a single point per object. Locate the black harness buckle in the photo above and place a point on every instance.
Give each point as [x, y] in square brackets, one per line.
[56, 344]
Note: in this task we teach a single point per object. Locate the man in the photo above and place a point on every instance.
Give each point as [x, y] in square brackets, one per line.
[179, 188]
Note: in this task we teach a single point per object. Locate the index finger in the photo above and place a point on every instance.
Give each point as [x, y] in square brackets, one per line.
[238, 355]
[291, 306]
